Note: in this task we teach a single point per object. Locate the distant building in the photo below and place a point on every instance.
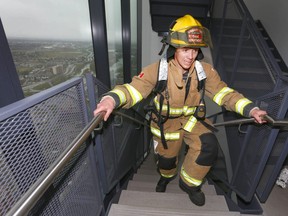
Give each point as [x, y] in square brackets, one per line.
[57, 69]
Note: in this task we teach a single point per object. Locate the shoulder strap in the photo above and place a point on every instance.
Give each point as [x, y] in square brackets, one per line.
[162, 75]
[200, 71]
[201, 75]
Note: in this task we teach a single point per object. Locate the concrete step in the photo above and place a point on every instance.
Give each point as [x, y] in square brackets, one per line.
[149, 163]
[146, 177]
[148, 167]
[151, 178]
[147, 171]
[171, 188]
[170, 200]
[126, 210]
[154, 178]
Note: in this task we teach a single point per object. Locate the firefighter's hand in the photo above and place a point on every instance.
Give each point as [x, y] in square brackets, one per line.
[106, 105]
[258, 115]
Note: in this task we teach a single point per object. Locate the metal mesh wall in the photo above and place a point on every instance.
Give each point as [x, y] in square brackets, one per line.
[257, 146]
[74, 191]
[32, 137]
[121, 143]
[273, 167]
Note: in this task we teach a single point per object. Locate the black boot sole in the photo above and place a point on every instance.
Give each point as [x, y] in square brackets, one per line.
[192, 195]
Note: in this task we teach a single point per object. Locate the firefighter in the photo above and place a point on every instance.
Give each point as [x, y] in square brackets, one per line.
[178, 114]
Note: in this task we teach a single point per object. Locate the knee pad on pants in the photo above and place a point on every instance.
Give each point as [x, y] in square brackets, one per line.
[166, 163]
[209, 150]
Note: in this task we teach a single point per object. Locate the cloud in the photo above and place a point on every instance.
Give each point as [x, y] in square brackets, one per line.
[61, 19]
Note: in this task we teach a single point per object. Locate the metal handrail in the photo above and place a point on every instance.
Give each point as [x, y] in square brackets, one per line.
[30, 198]
[269, 120]
[131, 118]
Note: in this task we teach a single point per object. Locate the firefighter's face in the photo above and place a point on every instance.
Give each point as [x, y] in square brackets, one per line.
[185, 56]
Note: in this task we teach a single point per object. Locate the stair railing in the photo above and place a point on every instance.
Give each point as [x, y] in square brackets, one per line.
[50, 160]
[245, 200]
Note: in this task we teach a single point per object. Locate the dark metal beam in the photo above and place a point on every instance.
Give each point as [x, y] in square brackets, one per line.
[10, 87]
[99, 38]
[139, 35]
[126, 39]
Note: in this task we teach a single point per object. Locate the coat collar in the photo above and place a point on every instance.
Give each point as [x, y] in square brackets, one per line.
[176, 73]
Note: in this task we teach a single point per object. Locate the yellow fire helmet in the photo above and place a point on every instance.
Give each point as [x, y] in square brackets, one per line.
[188, 32]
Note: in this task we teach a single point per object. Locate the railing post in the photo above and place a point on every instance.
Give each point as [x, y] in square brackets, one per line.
[220, 34]
[239, 47]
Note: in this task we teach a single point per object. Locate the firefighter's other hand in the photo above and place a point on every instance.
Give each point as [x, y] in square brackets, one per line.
[258, 115]
[106, 105]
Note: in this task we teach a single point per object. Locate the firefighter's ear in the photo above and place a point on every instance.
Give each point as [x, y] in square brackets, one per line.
[200, 55]
[170, 51]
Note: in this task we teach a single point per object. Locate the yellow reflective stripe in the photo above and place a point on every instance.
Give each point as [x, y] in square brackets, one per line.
[168, 136]
[241, 104]
[166, 176]
[135, 94]
[120, 94]
[189, 179]
[157, 104]
[175, 111]
[221, 94]
[190, 124]
[188, 110]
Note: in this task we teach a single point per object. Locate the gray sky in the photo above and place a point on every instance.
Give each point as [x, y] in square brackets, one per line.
[54, 19]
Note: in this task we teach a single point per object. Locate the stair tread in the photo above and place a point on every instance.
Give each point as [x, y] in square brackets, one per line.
[147, 177]
[252, 85]
[171, 188]
[126, 210]
[148, 167]
[147, 171]
[247, 70]
[167, 200]
[154, 178]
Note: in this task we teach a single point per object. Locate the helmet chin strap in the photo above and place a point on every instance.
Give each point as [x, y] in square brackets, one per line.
[200, 55]
[164, 43]
[169, 54]
[162, 49]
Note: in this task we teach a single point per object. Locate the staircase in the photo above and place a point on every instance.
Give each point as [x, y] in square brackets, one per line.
[272, 47]
[249, 74]
[140, 198]
[163, 12]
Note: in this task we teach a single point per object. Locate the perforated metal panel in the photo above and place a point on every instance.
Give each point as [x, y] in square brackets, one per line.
[74, 191]
[121, 144]
[33, 133]
[258, 145]
[273, 167]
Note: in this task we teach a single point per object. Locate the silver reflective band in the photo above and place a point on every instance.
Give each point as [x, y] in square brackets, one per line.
[163, 68]
[200, 71]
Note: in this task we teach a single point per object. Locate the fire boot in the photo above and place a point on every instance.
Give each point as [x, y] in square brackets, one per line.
[162, 183]
[195, 194]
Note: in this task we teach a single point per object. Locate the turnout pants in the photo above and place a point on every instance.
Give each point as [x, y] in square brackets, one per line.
[201, 155]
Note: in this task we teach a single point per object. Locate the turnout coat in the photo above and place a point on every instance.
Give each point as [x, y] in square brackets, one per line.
[181, 110]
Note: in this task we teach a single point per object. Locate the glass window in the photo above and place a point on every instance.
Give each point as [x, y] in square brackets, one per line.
[133, 9]
[50, 40]
[114, 38]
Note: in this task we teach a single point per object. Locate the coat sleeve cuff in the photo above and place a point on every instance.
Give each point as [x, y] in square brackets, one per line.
[248, 109]
[114, 97]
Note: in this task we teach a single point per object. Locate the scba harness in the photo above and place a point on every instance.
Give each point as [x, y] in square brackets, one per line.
[161, 90]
